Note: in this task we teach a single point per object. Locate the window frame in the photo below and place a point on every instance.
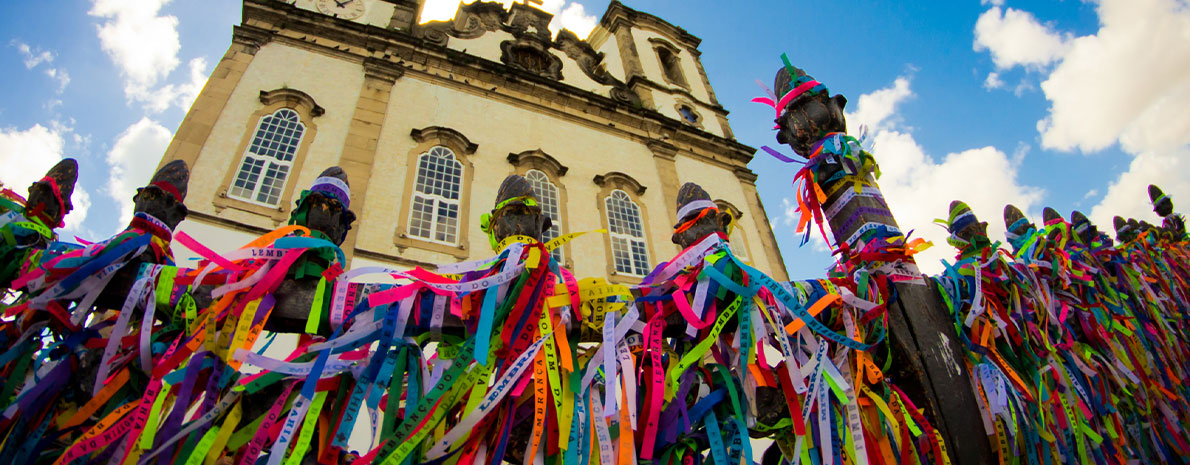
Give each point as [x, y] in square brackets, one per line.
[537, 160]
[639, 270]
[556, 215]
[675, 55]
[463, 149]
[610, 183]
[272, 102]
[254, 193]
[680, 102]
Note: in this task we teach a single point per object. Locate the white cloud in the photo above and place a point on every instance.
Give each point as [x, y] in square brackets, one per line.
[144, 46]
[993, 81]
[992, 2]
[567, 15]
[35, 57]
[32, 58]
[574, 18]
[142, 43]
[181, 95]
[1128, 195]
[1127, 84]
[132, 161]
[789, 215]
[1014, 37]
[877, 109]
[919, 188]
[59, 75]
[26, 156]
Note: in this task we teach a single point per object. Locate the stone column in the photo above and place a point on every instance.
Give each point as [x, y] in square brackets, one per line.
[664, 155]
[928, 356]
[196, 127]
[363, 135]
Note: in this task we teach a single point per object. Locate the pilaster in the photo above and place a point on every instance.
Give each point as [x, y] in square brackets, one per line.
[664, 155]
[363, 135]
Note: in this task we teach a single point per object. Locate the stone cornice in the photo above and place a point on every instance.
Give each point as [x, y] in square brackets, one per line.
[383, 69]
[250, 37]
[644, 81]
[617, 13]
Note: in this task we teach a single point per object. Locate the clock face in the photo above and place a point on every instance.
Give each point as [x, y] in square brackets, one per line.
[346, 9]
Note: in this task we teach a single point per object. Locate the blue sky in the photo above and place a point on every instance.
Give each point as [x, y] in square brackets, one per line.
[1070, 104]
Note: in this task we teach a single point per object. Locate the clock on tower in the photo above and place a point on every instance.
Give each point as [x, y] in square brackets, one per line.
[346, 9]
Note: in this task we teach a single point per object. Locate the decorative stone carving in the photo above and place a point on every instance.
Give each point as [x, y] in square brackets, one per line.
[48, 202]
[588, 60]
[471, 21]
[1173, 226]
[531, 55]
[526, 21]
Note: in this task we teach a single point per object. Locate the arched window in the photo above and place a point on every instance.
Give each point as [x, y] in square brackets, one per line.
[267, 161]
[547, 196]
[668, 56]
[434, 215]
[629, 249]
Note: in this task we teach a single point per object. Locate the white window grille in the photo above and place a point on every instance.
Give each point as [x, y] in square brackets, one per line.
[435, 212]
[262, 175]
[547, 197]
[629, 251]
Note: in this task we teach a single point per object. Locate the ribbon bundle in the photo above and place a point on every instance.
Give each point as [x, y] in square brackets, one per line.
[1077, 350]
[504, 358]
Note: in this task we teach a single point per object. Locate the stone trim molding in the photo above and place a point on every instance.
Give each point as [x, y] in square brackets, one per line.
[292, 98]
[729, 208]
[540, 160]
[454, 139]
[618, 180]
[745, 175]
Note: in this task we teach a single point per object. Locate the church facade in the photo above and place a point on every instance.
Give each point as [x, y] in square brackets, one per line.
[428, 119]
